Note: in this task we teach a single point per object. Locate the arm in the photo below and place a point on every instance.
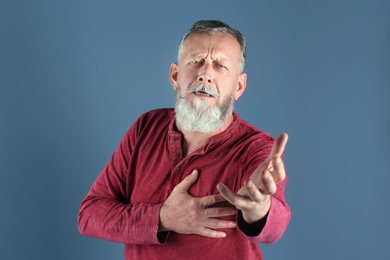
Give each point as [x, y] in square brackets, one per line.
[106, 213]
[264, 214]
[273, 225]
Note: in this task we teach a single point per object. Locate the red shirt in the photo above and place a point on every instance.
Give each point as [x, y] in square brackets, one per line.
[124, 202]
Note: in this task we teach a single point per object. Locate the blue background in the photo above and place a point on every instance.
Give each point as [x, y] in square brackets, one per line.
[74, 75]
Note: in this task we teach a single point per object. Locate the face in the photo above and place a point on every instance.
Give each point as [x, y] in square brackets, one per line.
[211, 59]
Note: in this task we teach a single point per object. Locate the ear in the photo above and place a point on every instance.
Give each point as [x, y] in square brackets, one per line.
[241, 85]
[173, 74]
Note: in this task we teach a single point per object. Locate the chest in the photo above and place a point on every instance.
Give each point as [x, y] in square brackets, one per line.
[156, 168]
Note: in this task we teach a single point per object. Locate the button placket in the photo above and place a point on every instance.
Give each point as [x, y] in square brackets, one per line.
[176, 156]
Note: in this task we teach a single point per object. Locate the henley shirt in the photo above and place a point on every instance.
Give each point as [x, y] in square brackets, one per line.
[123, 204]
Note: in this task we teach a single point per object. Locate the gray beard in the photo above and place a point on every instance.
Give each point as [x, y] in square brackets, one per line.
[197, 117]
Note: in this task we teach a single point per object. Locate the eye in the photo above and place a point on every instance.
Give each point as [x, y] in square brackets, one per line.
[195, 62]
[221, 66]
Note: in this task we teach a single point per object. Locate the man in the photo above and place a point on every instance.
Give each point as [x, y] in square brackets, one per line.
[196, 182]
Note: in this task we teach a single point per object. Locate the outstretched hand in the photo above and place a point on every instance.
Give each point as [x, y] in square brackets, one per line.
[185, 214]
[254, 198]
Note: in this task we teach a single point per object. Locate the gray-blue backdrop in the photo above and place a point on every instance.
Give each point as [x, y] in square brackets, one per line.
[75, 74]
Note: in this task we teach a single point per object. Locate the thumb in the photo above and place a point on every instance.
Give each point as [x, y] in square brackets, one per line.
[186, 183]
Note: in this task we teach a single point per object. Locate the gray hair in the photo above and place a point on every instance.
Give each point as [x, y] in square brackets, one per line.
[214, 26]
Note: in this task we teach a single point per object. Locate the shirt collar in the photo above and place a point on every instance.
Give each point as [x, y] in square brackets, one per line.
[227, 133]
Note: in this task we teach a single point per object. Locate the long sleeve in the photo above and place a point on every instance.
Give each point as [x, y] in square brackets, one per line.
[276, 221]
[123, 204]
[279, 214]
[106, 212]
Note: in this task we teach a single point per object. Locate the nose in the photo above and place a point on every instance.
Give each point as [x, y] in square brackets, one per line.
[206, 75]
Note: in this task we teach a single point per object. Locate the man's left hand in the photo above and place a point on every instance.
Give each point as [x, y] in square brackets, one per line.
[254, 198]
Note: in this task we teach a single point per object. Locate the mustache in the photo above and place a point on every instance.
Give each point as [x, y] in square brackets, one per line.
[203, 87]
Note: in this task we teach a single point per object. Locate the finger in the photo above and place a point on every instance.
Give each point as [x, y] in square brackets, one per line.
[226, 193]
[278, 173]
[219, 212]
[212, 199]
[215, 223]
[269, 163]
[186, 183]
[253, 192]
[279, 145]
[239, 201]
[269, 185]
[207, 232]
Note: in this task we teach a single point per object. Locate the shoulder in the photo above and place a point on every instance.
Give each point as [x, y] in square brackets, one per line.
[251, 132]
[157, 115]
[153, 120]
[256, 144]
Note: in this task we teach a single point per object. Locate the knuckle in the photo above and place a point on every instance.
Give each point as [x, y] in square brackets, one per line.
[209, 212]
[209, 201]
[191, 202]
[205, 213]
[211, 233]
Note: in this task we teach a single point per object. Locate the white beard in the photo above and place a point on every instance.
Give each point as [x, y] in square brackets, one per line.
[197, 117]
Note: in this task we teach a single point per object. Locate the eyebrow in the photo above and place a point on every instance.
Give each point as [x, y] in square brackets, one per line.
[195, 55]
[200, 55]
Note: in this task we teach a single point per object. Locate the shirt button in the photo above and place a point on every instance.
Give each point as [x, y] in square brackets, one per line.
[175, 139]
[177, 170]
[176, 154]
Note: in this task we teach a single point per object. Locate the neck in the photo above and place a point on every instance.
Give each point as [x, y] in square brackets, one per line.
[192, 141]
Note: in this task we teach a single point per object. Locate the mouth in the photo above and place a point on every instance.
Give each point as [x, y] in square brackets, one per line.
[202, 93]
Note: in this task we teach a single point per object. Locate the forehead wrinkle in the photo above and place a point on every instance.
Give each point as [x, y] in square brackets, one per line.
[214, 57]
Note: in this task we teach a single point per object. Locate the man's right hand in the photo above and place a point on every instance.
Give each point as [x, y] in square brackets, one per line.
[185, 214]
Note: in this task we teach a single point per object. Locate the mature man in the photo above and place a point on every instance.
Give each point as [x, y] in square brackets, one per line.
[196, 182]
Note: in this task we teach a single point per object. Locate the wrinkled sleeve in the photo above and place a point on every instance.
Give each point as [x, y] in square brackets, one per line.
[276, 221]
[106, 213]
